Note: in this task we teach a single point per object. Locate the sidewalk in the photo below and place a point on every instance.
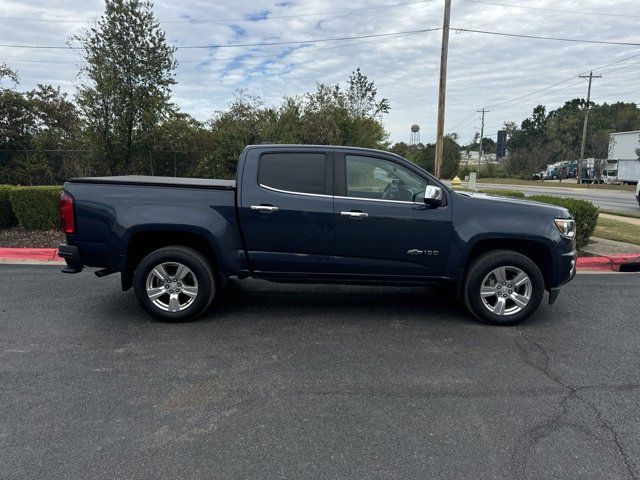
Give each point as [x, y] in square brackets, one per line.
[603, 247]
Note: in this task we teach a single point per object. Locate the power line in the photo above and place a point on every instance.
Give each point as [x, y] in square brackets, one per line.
[236, 45]
[540, 37]
[301, 52]
[267, 44]
[567, 80]
[622, 67]
[241, 19]
[577, 12]
[461, 126]
[529, 94]
[343, 45]
[525, 100]
[293, 42]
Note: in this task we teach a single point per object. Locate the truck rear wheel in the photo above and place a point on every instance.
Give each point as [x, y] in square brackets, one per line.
[503, 287]
[174, 284]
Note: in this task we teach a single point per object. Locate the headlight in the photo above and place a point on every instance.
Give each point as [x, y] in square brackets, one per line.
[567, 226]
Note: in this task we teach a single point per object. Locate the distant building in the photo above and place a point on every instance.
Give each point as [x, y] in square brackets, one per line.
[471, 156]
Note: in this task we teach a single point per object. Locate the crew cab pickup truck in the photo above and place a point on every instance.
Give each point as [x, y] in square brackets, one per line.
[315, 214]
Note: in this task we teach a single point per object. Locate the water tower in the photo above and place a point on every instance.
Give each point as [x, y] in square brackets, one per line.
[415, 134]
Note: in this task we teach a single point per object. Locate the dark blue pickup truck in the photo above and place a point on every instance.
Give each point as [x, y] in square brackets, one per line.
[319, 214]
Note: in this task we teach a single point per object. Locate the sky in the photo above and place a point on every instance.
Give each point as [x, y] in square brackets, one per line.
[506, 75]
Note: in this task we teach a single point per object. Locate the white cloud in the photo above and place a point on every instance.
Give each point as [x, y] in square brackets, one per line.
[483, 70]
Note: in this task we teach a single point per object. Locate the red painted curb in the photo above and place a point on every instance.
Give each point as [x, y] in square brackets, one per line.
[39, 254]
[610, 262]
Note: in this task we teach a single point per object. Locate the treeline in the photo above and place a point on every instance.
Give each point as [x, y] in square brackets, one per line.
[548, 137]
[45, 138]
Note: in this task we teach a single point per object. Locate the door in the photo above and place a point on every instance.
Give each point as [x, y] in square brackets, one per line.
[286, 209]
[382, 225]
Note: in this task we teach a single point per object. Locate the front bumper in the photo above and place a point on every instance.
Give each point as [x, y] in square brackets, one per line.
[567, 263]
[71, 255]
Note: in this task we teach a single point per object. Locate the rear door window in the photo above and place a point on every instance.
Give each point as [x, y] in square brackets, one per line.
[294, 172]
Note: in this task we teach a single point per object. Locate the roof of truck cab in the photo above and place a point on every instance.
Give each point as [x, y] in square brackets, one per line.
[160, 181]
[317, 147]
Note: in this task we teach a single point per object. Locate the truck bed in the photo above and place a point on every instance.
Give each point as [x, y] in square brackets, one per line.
[148, 180]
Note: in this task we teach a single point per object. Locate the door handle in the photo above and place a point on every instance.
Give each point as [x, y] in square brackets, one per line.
[354, 214]
[264, 208]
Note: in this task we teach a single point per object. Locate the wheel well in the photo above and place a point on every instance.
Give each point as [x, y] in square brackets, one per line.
[536, 251]
[142, 244]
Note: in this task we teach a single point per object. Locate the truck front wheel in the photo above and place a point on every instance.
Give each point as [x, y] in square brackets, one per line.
[174, 284]
[503, 287]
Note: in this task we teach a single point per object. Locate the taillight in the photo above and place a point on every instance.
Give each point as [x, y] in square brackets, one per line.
[67, 221]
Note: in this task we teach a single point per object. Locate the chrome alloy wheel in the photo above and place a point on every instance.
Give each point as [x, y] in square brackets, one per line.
[172, 287]
[506, 290]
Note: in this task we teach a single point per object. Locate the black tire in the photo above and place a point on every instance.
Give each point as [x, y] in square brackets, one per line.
[486, 263]
[200, 268]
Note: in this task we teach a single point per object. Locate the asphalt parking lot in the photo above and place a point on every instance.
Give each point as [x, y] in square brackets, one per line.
[283, 381]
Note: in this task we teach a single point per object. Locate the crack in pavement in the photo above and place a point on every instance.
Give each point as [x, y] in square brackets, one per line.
[545, 429]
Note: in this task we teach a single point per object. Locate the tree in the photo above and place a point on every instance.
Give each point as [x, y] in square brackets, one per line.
[424, 155]
[128, 71]
[488, 145]
[7, 73]
[361, 97]
[328, 115]
[33, 125]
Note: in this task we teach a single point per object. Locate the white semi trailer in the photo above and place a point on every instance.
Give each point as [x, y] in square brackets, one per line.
[623, 163]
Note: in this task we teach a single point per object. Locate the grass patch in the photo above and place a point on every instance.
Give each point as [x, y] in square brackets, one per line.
[618, 230]
[503, 193]
[570, 183]
[621, 214]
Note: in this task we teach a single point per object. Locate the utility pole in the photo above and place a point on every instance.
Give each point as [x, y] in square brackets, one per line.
[591, 76]
[443, 88]
[483, 111]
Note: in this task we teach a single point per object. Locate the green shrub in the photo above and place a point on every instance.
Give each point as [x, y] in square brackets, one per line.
[584, 212]
[504, 193]
[36, 208]
[7, 218]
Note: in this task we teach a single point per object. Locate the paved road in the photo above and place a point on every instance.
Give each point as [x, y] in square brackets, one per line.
[300, 382]
[617, 200]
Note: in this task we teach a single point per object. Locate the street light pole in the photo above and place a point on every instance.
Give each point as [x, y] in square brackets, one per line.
[443, 88]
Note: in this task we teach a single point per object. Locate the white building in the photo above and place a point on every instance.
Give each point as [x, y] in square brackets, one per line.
[471, 157]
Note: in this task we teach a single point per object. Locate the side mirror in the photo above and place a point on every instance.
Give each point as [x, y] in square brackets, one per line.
[433, 195]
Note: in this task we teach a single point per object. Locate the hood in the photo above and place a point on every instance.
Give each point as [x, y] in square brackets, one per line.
[485, 202]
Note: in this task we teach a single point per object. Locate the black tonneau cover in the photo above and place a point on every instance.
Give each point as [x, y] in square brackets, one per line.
[160, 181]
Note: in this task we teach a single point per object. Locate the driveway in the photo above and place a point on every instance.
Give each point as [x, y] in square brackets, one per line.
[283, 381]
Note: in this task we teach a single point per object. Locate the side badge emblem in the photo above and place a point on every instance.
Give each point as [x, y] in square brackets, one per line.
[415, 251]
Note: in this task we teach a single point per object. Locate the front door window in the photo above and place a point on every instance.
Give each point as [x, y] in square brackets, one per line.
[375, 178]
